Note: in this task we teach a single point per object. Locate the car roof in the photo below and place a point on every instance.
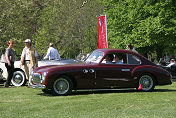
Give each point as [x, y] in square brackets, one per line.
[116, 50]
[106, 51]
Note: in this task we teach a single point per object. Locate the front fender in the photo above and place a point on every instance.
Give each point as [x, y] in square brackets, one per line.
[72, 73]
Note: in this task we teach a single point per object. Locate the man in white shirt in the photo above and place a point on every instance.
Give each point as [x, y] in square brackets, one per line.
[172, 62]
[52, 53]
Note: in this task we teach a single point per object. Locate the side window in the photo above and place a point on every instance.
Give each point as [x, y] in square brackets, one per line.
[120, 58]
[108, 59]
[115, 58]
[132, 59]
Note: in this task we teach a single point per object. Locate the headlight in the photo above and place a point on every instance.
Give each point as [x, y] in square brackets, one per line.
[36, 78]
[44, 76]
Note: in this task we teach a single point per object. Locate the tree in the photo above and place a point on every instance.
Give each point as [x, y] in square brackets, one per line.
[70, 24]
[17, 21]
[150, 25]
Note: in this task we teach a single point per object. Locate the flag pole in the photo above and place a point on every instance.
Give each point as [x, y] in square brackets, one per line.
[106, 31]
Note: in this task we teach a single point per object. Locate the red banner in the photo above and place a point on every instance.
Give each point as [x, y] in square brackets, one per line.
[102, 32]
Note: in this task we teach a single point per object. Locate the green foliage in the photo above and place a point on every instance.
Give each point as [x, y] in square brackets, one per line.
[17, 19]
[149, 25]
[70, 24]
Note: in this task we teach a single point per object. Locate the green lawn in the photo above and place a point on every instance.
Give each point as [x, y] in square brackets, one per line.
[20, 102]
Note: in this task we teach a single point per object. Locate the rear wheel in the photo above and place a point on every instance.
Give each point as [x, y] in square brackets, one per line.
[18, 78]
[62, 86]
[147, 82]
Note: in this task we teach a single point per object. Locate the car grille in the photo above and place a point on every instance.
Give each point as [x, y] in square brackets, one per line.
[36, 78]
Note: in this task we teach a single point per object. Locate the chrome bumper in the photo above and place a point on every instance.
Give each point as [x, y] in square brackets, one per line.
[36, 81]
[40, 86]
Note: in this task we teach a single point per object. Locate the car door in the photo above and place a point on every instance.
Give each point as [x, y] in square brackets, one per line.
[85, 77]
[111, 75]
[116, 75]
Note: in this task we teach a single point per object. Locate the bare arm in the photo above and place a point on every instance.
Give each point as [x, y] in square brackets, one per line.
[7, 58]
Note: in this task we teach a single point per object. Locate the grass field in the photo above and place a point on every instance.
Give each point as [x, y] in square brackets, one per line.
[23, 102]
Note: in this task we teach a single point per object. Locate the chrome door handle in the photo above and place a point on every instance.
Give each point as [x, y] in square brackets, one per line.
[91, 71]
[85, 71]
[125, 69]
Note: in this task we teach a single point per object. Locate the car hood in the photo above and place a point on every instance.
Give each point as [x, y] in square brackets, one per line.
[63, 67]
[57, 62]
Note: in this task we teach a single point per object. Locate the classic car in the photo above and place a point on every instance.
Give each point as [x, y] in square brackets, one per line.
[96, 73]
[171, 69]
[2, 80]
[19, 76]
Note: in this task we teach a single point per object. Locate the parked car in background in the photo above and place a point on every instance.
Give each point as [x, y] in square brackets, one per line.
[2, 79]
[19, 76]
[95, 73]
[171, 69]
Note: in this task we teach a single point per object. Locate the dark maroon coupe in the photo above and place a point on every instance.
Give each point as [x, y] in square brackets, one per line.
[103, 69]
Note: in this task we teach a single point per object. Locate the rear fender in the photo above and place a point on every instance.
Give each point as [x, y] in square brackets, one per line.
[149, 70]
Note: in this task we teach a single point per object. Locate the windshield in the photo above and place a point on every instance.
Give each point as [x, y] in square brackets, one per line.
[95, 57]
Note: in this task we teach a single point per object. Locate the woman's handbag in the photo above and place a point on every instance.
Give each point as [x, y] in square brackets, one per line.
[3, 58]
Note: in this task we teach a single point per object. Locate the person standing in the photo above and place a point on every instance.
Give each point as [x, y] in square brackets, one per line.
[109, 58]
[29, 58]
[52, 53]
[10, 57]
[172, 62]
[118, 60]
[130, 47]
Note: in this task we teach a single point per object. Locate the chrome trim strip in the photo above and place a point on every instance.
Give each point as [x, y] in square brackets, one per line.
[125, 69]
[40, 86]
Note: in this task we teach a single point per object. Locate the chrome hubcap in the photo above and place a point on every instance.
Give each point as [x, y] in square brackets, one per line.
[61, 86]
[146, 82]
[17, 78]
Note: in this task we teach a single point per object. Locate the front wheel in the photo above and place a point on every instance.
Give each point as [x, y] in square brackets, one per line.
[147, 82]
[62, 86]
[18, 78]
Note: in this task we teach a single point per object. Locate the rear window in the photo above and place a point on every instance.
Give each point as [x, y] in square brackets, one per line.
[132, 59]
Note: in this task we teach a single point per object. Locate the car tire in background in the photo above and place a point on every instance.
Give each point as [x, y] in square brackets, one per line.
[147, 83]
[63, 85]
[18, 78]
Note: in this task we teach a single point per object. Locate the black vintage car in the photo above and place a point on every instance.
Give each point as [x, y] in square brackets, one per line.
[172, 69]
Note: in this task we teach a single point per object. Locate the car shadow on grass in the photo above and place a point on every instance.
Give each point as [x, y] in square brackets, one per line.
[117, 91]
[164, 90]
[87, 92]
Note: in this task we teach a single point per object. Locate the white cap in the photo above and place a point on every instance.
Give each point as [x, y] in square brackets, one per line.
[27, 41]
